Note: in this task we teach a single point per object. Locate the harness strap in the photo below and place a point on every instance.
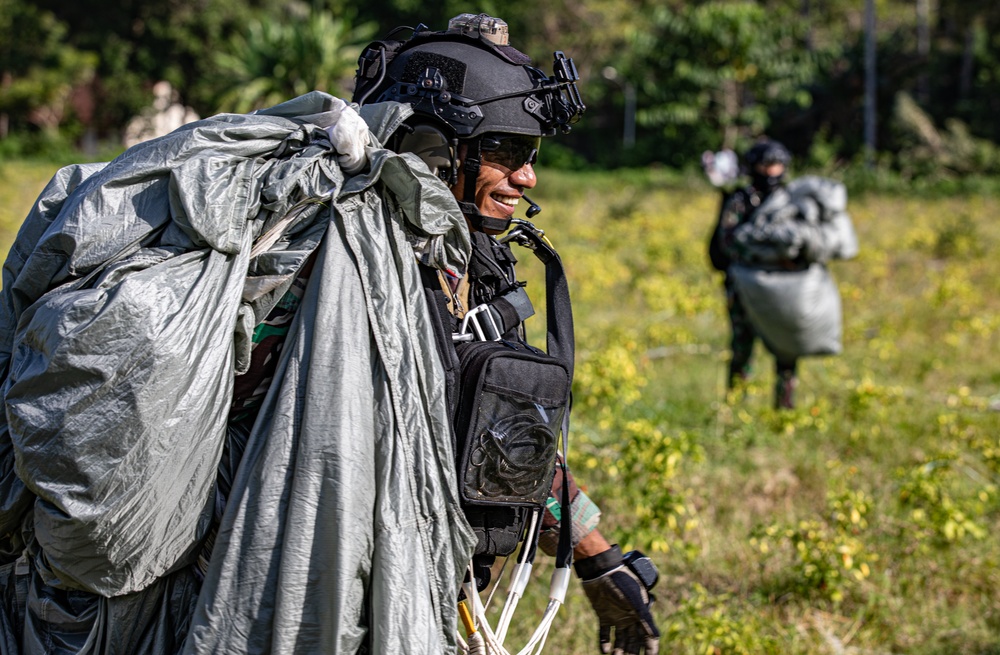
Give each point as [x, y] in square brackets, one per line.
[560, 342]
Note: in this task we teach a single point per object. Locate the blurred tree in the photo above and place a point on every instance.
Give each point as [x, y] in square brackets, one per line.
[965, 71]
[597, 35]
[925, 151]
[38, 71]
[389, 14]
[274, 60]
[707, 74]
[140, 42]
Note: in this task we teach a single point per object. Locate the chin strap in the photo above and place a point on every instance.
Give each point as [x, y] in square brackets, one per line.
[472, 164]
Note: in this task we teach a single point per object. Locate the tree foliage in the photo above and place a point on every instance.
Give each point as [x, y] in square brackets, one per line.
[272, 61]
[38, 70]
[707, 73]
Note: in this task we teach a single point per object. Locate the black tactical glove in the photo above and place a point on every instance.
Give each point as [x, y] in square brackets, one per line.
[621, 600]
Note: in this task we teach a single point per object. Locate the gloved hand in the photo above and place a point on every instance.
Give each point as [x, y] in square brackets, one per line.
[349, 137]
[621, 602]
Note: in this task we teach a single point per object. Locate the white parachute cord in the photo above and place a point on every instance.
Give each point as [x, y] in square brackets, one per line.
[537, 642]
[479, 613]
[561, 576]
[496, 585]
[557, 596]
[519, 578]
[475, 645]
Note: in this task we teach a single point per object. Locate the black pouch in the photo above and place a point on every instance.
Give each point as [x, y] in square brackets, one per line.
[512, 406]
[511, 409]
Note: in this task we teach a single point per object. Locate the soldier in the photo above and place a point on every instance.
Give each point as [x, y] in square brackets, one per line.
[480, 112]
[772, 241]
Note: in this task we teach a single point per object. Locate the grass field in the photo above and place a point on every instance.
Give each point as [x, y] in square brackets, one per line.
[864, 521]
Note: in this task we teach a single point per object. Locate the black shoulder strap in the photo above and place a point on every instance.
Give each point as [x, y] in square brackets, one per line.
[560, 342]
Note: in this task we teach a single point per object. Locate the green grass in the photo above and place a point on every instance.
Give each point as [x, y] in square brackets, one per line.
[20, 184]
[907, 416]
[864, 521]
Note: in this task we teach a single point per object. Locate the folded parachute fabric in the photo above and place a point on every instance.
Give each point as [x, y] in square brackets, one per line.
[805, 221]
[128, 301]
[345, 512]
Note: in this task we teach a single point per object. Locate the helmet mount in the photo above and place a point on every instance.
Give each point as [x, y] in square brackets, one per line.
[464, 83]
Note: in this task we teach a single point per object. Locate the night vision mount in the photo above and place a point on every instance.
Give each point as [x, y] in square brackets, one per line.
[555, 102]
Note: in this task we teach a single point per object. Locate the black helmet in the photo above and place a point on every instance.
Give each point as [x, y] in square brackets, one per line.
[767, 152]
[466, 84]
[468, 78]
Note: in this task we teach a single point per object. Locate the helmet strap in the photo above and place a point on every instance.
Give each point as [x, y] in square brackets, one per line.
[471, 166]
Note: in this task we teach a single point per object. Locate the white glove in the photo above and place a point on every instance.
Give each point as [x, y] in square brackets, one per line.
[722, 168]
[349, 137]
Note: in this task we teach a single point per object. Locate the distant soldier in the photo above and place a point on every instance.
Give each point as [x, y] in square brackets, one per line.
[772, 241]
[164, 116]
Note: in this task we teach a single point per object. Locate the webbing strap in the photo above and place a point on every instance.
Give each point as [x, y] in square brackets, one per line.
[560, 342]
[510, 309]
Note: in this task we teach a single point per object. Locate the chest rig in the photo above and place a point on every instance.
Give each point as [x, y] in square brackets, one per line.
[509, 400]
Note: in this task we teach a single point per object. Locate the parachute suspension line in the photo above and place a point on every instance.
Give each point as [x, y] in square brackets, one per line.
[496, 584]
[529, 545]
[476, 645]
[557, 595]
[484, 640]
[490, 645]
[564, 561]
[519, 576]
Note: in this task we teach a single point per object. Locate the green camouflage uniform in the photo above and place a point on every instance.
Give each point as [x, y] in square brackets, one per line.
[737, 208]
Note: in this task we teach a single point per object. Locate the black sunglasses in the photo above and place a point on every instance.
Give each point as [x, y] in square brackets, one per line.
[511, 151]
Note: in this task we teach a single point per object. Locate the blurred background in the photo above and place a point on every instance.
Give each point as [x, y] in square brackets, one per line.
[908, 87]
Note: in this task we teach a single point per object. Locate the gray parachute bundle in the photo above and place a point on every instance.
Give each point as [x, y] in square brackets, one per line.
[128, 305]
[797, 312]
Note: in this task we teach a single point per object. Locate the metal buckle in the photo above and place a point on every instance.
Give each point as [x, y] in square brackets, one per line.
[517, 233]
[484, 330]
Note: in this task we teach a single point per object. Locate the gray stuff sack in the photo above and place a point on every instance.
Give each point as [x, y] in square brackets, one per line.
[796, 313]
[110, 455]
